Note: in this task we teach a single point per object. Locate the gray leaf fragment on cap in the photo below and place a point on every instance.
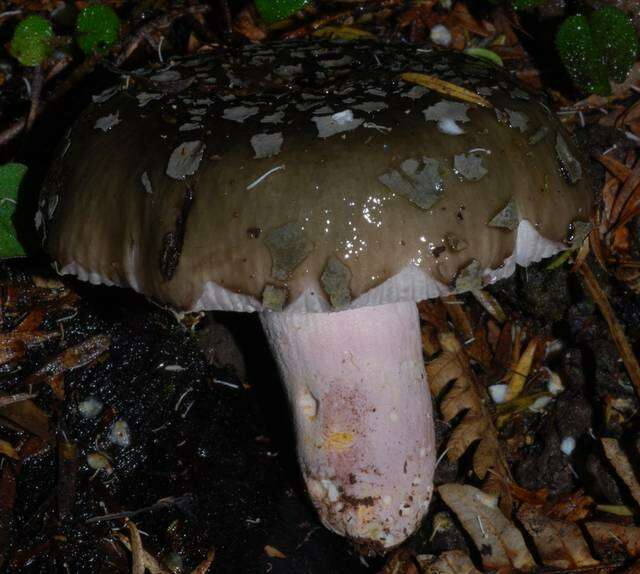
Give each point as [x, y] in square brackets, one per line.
[274, 298]
[370, 107]
[507, 217]
[146, 182]
[416, 92]
[289, 246]
[520, 94]
[52, 205]
[538, 135]
[275, 118]
[166, 76]
[189, 127]
[145, 97]
[304, 106]
[105, 95]
[107, 122]
[469, 278]
[571, 167]
[447, 114]
[185, 159]
[239, 113]
[336, 123]
[376, 92]
[324, 110]
[289, 71]
[419, 181]
[338, 63]
[517, 120]
[455, 243]
[266, 145]
[469, 166]
[578, 232]
[335, 280]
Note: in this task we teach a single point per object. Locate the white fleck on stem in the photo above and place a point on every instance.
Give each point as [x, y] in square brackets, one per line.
[362, 412]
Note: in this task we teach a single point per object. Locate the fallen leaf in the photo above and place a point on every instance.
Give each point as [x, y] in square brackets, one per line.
[521, 371]
[400, 561]
[615, 509]
[6, 449]
[615, 536]
[615, 167]
[245, 26]
[559, 543]
[273, 552]
[620, 462]
[343, 33]
[72, 358]
[204, 566]
[464, 395]
[626, 191]
[137, 558]
[150, 563]
[497, 539]
[571, 507]
[15, 398]
[450, 562]
[461, 13]
[28, 416]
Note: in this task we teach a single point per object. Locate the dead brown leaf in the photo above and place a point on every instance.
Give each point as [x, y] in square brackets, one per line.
[465, 395]
[273, 552]
[14, 398]
[149, 561]
[204, 566]
[72, 358]
[615, 167]
[401, 561]
[28, 416]
[460, 14]
[521, 371]
[246, 27]
[499, 542]
[615, 536]
[6, 449]
[137, 558]
[450, 562]
[629, 188]
[571, 507]
[620, 462]
[559, 543]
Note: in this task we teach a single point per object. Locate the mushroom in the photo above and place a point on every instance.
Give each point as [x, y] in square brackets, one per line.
[311, 183]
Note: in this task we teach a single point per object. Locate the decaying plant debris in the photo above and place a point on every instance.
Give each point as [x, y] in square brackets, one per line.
[111, 459]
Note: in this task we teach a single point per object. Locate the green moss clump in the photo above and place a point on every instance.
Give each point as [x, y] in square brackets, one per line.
[97, 29]
[526, 4]
[31, 41]
[581, 57]
[615, 36]
[597, 49]
[275, 10]
[11, 175]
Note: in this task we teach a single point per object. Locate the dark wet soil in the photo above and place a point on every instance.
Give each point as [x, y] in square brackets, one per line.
[222, 450]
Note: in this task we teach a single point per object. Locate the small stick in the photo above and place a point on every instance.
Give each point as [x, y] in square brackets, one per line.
[617, 331]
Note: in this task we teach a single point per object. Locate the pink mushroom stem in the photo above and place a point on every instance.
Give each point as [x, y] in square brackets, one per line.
[362, 412]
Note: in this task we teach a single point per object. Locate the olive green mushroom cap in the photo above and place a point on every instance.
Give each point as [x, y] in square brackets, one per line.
[309, 177]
